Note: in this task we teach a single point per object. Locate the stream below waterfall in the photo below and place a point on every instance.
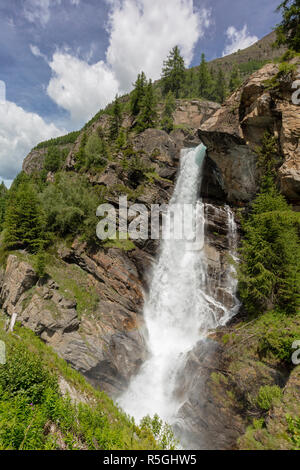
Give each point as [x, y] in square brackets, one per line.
[180, 308]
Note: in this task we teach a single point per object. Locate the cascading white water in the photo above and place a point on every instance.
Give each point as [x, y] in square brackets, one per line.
[178, 310]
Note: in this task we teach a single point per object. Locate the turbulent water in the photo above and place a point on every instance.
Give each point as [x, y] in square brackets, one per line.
[179, 309]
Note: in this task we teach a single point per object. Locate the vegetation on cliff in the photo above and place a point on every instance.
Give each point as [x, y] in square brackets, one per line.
[36, 415]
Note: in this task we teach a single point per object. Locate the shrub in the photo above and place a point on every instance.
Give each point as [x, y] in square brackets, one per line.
[267, 395]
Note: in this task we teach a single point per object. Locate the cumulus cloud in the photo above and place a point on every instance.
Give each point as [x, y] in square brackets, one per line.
[20, 131]
[81, 88]
[141, 34]
[238, 39]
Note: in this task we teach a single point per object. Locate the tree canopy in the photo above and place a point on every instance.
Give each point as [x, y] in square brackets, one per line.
[288, 31]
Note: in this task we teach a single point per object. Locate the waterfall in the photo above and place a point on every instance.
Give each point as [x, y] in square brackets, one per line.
[179, 309]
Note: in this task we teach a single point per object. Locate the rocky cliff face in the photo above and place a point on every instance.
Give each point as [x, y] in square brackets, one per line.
[234, 132]
[107, 344]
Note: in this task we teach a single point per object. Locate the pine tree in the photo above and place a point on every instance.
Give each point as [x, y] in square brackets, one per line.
[138, 94]
[3, 200]
[235, 79]
[116, 120]
[205, 80]
[288, 31]
[173, 74]
[24, 223]
[148, 115]
[167, 116]
[221, 86]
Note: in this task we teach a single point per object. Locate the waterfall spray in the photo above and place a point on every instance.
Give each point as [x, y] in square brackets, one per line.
[178, 310]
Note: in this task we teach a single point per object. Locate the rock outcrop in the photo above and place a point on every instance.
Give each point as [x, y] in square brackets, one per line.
[107, 346]
[234, 132]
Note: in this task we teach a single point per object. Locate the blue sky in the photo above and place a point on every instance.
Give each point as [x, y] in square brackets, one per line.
[62, 60]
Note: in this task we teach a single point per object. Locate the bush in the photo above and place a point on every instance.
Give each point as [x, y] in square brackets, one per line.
[267, 395]
[53, 159]
[24, 376]
[277, 332]
[24, 219]
[70, 206]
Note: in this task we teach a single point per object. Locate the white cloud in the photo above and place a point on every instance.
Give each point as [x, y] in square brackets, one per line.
[39, 10]
[238, 39]
[36, 52]
[20, 131]
[141, 35]
[80, 88]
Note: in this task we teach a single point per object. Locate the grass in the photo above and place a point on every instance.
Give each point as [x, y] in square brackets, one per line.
[97, 424]
[74, 284]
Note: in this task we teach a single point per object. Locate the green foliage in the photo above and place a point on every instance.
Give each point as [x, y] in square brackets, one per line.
[96, 152]
[277, 332]
[288, 31]
[173, 73]
[148, 114]
[34, 415]
[285, 70]
[70, 206]
[205, 80]
[24, 219]
[162, 432]
[53, 159]
[138, 94]
[268, 156]
[3, 201]
[269, 275]
[40, 263]
[24, 376]
[235, 80]
[294, 431]
[267, 395]
[63, 140]
[81, 155]
[249, 67]
[167, 122]
[221, 86]
[115, 120]
[74, 284]
[136, 169]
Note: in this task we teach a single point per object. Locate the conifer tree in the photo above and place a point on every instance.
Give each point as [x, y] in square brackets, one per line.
[138, 94]
[173, 74]
[24, 222]
[148, 115]
[235, 79]
[288, 31]
[167, 117]
[205, 80]
[3, 199]
[221, 86]
[116, 120]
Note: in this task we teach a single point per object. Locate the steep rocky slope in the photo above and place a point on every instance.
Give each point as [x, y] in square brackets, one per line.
[104, 338]
[234, 132]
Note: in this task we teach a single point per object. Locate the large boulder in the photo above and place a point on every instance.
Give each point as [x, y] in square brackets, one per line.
[234, 132]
